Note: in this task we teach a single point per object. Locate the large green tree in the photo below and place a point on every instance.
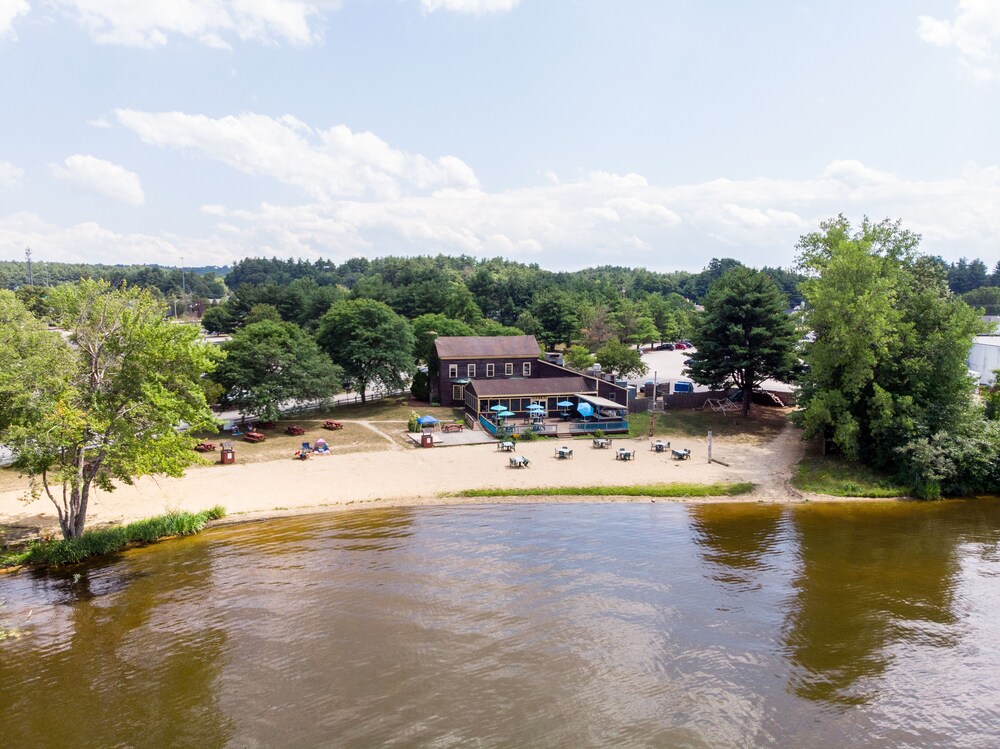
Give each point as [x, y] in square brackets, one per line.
[745, 335]
[269, 363]
[104, 405]
[372, 343]
[618, 359]
[886, 375]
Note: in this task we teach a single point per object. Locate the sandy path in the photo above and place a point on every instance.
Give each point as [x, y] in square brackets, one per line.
[415, 476]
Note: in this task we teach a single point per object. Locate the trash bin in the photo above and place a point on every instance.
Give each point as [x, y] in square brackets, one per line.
[426, 439]
[227, 454]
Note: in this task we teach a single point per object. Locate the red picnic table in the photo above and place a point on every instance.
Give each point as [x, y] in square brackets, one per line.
[254, 437]
[331, 424]
[295, 430]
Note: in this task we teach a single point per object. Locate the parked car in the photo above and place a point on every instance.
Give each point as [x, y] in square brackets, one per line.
[687, 362]
[687, 343]
[679, 346]
[665, 347]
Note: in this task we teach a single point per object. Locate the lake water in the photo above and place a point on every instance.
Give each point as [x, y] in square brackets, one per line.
[662, 625]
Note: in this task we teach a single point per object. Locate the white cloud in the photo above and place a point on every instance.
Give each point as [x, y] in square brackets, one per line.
[973, 32]
[10, 10]
[472, 7]
[151, 23]
[323, 163]
[91, 174]
[10, 175]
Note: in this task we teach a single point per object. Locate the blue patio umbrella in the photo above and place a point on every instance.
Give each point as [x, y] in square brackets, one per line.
[585, 409]
[505, 414]
[564, 404]
[535, 407]
[426, 420]
[498, 408]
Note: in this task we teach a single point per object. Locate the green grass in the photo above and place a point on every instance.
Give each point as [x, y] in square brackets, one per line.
[841, 478]
[110, 540]
[653, 490]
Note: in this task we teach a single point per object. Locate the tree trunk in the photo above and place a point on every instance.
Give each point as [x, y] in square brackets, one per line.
[747, 397]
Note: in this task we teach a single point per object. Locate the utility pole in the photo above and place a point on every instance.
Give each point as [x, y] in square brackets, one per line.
[31, 278]
[652, 407]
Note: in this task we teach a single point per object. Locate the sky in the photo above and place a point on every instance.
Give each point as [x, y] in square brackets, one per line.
[567, 133]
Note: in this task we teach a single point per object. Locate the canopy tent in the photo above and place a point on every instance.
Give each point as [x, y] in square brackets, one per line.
[597, 402]
[426, 420]
[585, 409]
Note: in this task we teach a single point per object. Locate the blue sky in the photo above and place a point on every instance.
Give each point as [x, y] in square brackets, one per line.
[564, 132]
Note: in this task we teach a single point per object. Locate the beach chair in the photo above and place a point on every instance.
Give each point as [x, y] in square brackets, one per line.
[306, 447]
[236, 431]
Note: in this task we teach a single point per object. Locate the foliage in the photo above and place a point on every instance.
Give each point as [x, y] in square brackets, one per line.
[426, 330]
[578, 357]
[412, 425]
[886, 378]
[631, 490]
[170, 282]
[745, 335]
[618, 359]
[218, 319]
[107, 407]
[262, 312]
[987, 297]
[111, 540]
[838, 477]
[372, 343]
[268, 363]
[420, 387]
[556, 314]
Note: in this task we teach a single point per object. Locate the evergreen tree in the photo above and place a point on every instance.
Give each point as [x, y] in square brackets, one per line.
[745, 335]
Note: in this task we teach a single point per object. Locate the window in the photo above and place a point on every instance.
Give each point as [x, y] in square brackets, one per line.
[470, 370]
[526, 369]
[508, 368]
[489, 370]
[453, 371]
[458, 392]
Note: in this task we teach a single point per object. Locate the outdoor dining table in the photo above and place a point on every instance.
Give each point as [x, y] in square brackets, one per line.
[506, 447]
[624, 454]
[602, 442]
[519, 461]
[659, 446]
[564, 452]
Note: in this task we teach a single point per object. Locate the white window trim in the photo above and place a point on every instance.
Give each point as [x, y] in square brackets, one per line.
[526, 369]
[508, 368]
[490, 370]
[470, 371]
[453, 371]
[458, 393]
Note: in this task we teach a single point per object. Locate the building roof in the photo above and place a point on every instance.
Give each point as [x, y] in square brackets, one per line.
[486, 347]
[528, 387]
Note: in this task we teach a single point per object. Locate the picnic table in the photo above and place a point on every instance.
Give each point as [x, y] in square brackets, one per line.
[681, 454]
[564, 452]
[624, 454]
[506, 447]
[254, 437]
[659, 446]
[602, 443]
[519, 461]
[331, 424]
[452, 427]
[265, 425]
[295, 430]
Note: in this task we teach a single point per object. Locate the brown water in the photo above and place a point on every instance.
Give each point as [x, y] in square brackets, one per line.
[524, 625]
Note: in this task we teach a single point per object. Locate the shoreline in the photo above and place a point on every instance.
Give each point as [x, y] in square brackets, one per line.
[411, 477]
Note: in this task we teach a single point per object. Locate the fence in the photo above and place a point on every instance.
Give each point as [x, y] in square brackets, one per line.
[341, 400]
[586, 427]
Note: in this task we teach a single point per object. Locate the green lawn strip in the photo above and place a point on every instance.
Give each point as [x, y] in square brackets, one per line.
[110, 540]
[654, 490]
[841, 478]
[763, 425]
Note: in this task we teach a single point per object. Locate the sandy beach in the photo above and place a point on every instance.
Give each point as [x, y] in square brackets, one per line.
[416, 476]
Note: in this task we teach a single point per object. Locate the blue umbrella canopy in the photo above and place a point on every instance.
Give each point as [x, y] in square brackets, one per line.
[585, 409]
[505, 414]
[564, 404]
[427, 420]
[498, 408]
[536, 407]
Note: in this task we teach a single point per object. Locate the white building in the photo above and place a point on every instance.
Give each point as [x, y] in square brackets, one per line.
[984, 357]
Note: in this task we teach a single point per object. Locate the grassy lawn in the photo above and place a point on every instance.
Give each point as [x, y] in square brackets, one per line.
[392, 409]
[762, 425]
[841, 478]
[653, 490]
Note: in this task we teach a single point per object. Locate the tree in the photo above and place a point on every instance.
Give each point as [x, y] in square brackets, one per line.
[261, 312]
[618, 359]
[556, 312]
[268, 363]
[372, 343]
[745, 335]
[888, 367]
[578, 357]
[106, 406]
[426, 330]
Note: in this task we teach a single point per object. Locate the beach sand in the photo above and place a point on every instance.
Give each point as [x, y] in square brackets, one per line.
[414, 476]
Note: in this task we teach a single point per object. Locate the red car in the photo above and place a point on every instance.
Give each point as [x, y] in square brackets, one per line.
[679, 347]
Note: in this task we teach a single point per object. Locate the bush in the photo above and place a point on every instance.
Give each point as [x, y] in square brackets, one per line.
[420, 387]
